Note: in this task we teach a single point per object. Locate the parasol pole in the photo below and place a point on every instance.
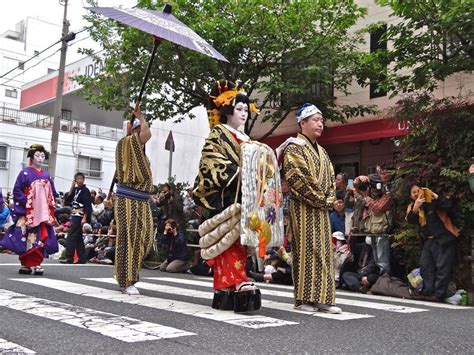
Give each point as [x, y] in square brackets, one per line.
[156, 43]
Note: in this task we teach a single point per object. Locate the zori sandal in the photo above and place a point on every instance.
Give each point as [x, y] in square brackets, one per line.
[24, 271]
[38, 270]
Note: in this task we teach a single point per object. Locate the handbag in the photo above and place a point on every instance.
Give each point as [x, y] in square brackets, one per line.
[247, 301]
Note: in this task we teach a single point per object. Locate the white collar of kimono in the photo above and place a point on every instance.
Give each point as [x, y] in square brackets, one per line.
[295, 140]
[240, 135]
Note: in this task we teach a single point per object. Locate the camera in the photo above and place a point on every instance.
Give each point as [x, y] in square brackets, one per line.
[363, 186]
[167, 195]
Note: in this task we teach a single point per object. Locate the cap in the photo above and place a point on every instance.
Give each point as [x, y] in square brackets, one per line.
[339, 236]
[305, 111]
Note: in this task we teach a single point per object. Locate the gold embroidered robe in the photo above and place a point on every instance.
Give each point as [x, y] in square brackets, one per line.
[309, 174]
[134, 221]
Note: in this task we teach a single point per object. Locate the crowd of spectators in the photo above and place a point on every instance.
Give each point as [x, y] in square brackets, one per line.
[362, 223]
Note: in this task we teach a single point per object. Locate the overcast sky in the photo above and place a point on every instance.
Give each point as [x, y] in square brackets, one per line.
[13, 11]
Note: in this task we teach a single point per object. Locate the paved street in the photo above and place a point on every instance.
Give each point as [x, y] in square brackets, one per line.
[78, 309]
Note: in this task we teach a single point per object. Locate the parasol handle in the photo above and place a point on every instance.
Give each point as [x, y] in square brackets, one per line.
[157, 42]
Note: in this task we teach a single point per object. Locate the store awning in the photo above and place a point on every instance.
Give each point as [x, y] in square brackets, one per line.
[39, 96]
[381, 128]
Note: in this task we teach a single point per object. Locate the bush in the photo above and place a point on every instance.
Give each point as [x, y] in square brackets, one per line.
[437, 153]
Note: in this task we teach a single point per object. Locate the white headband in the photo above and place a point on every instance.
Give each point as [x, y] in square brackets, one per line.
[305, 111]
[135, 124]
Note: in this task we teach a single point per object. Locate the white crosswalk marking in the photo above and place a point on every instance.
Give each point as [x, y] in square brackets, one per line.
[339, 301]
[208, 295]
[7, 347]
[369, 297]
[195, 310]
[114, 326]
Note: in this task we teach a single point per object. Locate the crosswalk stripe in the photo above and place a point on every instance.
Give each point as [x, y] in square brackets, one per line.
[114, 326]
[370, 297]
[195, 310]
[7, 347]
[208, 295]
[406, 300]
[340, 301]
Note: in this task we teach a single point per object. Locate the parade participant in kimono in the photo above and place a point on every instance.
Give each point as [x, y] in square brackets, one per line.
[132, 211]
[217, 184]
[310, 176]
[33, 212]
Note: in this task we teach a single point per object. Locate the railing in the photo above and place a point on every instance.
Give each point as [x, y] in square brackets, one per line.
[29, 119]
[93, 174]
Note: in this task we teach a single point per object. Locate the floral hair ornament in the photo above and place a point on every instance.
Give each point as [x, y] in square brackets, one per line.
[224, 99]
[305, 111]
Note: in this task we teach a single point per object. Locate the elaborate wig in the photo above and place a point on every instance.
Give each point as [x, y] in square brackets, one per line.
[223, 97]
[36, 148]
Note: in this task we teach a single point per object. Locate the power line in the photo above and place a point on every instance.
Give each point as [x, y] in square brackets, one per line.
[23, 63]
[71, 36]
[43, 59]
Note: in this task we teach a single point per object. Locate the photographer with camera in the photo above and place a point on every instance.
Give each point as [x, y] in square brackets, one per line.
[177, 248]
[378, 218]
[171, 206]
[355, 200]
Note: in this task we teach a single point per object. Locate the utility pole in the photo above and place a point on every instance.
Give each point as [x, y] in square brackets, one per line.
[58, 106]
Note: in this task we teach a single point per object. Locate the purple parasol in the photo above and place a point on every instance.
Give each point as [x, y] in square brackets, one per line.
[162, 25]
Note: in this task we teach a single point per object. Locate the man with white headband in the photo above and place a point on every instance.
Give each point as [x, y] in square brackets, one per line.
[310, 176]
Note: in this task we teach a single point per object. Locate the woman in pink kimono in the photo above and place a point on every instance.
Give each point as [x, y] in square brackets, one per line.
[33, 214]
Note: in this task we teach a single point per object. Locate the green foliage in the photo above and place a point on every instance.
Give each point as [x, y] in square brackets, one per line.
[433, 40]
[437, 153]
[284, 53]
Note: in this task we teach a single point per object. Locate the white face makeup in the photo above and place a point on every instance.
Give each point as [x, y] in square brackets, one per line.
[38, 159]
[238, 119]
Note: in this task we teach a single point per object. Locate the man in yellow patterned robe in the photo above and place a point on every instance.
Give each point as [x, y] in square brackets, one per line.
[132, 210]
[309, 174]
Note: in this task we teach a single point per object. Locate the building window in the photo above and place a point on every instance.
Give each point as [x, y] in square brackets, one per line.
[11, 93]
[4, 160]
[35, 53]
[21, 66]
[91, 167]
[378, 43]
[51, 70]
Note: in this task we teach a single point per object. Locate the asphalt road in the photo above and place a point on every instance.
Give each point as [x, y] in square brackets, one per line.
[76, 309]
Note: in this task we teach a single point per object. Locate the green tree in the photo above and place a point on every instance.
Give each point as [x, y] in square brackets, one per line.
[428, 41]
[437, 153]
[283, 53]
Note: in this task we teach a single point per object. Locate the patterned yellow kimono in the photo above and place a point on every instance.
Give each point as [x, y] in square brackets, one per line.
[132, 214]
[310, 177]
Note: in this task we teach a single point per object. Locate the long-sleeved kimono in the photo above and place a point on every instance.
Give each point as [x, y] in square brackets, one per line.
[215, 189]
[34, 204]
[310, 177]
[132, 210]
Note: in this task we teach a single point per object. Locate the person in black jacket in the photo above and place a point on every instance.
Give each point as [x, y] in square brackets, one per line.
[175, 242]
[438, 235]
[79, 199]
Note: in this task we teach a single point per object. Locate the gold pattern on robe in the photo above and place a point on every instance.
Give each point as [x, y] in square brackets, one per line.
[218, 170]
[310, 176]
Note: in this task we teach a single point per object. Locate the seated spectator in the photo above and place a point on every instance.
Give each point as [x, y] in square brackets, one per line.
[4, 212]
[277, 270]
[98, 209]
[342, 254]
[366, 275]
[433, 216]
[175, 243]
